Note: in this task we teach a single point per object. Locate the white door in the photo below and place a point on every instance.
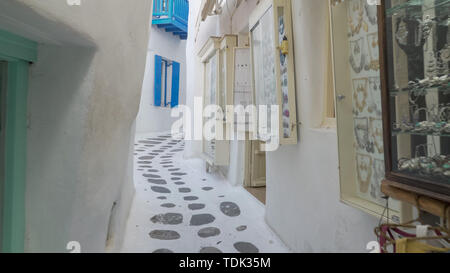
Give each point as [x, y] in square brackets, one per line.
[258, 165]
[255, 166]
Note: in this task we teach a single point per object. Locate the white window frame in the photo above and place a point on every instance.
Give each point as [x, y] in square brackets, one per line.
[213, 48]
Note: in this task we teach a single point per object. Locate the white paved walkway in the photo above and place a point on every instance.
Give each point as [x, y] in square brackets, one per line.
[180, 208]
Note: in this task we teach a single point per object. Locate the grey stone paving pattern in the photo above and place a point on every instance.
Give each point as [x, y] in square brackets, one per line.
[189, 211]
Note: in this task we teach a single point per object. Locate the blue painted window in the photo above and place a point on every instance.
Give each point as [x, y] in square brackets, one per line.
[158, 80]
[167, 82]
[175, 84]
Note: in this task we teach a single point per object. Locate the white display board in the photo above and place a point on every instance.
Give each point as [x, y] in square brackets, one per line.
[243, 89]
[243, 92]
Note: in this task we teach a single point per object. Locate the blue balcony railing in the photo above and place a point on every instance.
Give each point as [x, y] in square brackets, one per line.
[172, 15]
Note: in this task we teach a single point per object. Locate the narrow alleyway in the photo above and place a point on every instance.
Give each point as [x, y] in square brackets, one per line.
[178, 207]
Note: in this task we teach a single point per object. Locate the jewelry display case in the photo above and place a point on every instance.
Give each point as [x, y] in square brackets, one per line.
[271, 43]
[416, 95]
[355, 50]
[217, 60]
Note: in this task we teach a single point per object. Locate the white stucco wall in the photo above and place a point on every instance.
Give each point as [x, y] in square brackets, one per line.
[150, 117]
[195, 42]
[84, 96]
[303, 205]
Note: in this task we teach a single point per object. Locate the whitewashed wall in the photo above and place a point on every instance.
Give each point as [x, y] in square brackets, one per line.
[303, 205]
[83, 99]
[195, 42]
[150, 117]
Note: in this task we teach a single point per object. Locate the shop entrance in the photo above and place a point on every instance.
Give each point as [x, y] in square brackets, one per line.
[255, 177]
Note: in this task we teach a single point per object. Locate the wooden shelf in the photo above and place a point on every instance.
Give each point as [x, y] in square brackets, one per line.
[437, 206]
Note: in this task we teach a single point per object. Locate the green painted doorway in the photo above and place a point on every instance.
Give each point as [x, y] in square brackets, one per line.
[16, 54]
[3, 85]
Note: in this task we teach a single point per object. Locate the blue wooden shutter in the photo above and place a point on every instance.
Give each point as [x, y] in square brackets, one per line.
[158, 80]
[175, 84]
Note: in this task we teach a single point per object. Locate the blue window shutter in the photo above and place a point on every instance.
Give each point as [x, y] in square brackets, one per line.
[175, 84]
[158, 80]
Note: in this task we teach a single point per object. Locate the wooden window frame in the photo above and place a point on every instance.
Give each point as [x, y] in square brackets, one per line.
[254, 20]
[347, 176]
[329, 112]
[213, 47]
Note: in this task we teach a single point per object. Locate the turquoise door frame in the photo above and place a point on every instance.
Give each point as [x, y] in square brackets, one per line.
[18, 52]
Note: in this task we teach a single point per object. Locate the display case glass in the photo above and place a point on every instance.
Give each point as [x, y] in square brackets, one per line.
[271, 41]
[415, 69]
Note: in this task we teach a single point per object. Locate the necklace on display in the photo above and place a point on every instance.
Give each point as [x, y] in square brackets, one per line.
[356, 49]
[375, 92]
[364, 171]
[372, 41]
[355, 28]
[371, 11]
[360, 94]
